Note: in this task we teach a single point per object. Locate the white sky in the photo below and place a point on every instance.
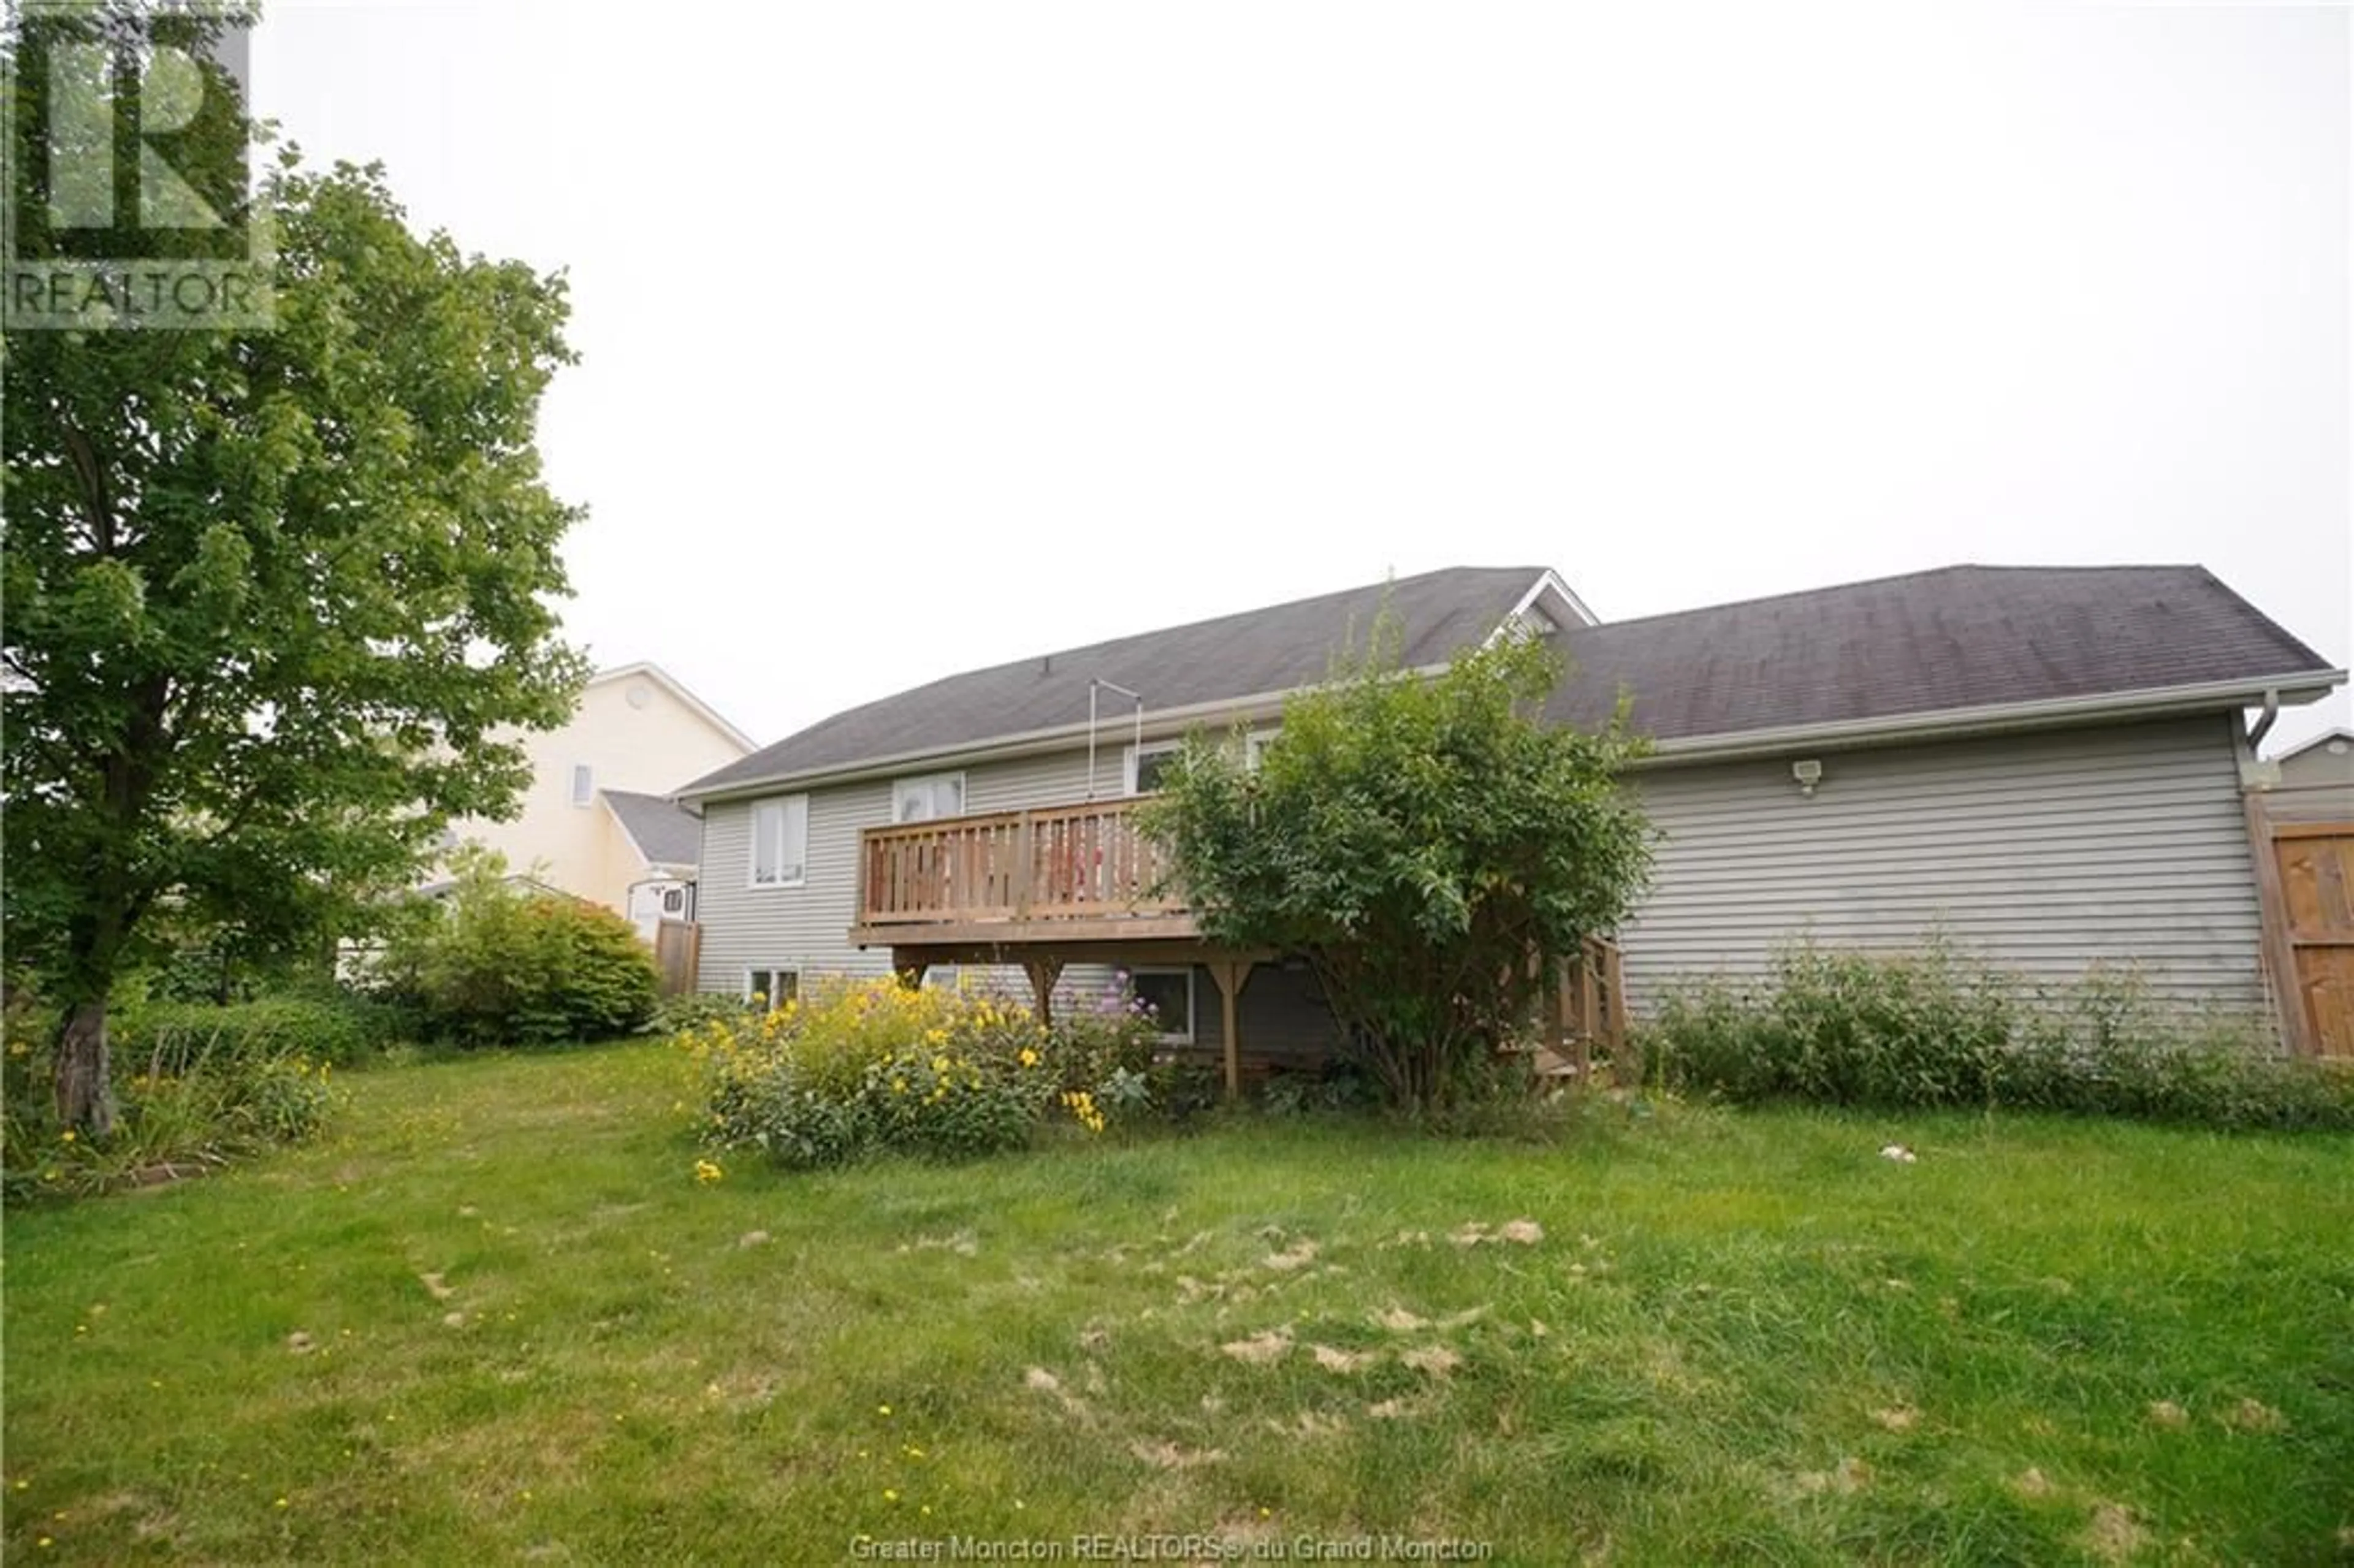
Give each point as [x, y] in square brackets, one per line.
[919, 337]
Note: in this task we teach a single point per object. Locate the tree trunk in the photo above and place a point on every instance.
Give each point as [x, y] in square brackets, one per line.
[85, 1082]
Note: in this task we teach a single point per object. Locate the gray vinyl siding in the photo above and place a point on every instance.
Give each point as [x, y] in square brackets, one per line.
[2043, 854]
[808, 928]
[1280, 1015]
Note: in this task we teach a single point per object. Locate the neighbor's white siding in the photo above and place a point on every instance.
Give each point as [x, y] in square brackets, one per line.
[806, 928]
[2042, 853]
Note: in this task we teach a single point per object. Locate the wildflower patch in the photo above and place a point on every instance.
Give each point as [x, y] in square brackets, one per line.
[857, 1068]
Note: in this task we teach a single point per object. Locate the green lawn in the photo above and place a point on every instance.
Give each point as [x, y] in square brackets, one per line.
[496, 1318]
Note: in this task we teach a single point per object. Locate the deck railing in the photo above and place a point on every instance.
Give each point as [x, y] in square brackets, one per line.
[1062, 862]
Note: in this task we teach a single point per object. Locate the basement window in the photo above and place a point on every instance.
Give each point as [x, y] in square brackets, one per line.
[772, 987]
[1170, 994]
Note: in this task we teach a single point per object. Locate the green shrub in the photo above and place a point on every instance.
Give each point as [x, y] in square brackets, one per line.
[165, 1037]
[674, 1016]
[501, 965]
[1928, 1029]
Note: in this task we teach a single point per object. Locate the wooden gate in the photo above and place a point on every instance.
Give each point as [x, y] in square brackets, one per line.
[678, 945]
[2305, 872]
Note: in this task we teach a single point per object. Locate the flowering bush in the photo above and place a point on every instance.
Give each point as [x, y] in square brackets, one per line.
[855, 1068]
[1103, 1045]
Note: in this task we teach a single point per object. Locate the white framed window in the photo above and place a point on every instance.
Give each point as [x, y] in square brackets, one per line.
[1169, 993]
[584, 784]
[1142, 765]
[928, 798]
[781, 842]
[772, 987]
[1255, 746]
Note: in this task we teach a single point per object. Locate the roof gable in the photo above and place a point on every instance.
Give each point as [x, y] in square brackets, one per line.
[656, 675]
[2316, 743]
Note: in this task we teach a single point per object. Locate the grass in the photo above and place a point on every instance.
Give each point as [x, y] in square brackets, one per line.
[495, 1319]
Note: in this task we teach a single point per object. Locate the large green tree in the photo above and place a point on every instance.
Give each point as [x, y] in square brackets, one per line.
[274, 597]
[1419, 840]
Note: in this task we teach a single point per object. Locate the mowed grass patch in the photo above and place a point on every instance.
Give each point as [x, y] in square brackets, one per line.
[496, 1318]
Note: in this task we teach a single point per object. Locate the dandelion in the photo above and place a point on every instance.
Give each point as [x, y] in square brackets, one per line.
[1028, 1058]
[282, 1502]
[706, 1172]
[882, 1410]
[66, 1136]
[890, 1494]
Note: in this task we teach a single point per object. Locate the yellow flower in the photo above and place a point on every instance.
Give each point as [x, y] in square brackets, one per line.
[706, 1172]
[882, 1410]
[67, 1135]
[1028, 1058]
[899, 1085]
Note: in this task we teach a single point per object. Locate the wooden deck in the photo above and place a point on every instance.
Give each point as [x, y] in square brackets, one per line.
[1060, 874]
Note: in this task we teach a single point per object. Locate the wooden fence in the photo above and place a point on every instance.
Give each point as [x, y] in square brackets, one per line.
[2304, 843]
[678, 949]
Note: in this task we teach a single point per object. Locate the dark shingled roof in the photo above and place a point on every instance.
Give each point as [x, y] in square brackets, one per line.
[1261, 651]
[1961, 636]
[666, 834]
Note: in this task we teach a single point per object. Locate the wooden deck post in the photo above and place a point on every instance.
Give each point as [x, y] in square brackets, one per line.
[1044, 972]
[1231, 975]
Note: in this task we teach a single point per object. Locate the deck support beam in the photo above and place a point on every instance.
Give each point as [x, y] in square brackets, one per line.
[1231, 974]
[1043, 971]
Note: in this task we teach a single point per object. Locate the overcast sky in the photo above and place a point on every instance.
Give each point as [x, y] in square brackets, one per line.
[917, 337]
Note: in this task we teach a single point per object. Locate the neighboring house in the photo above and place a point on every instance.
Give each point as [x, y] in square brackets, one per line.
[595, 820]
[2043, 765]
[2327, 761]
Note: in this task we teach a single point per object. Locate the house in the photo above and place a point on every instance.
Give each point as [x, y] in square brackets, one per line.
[2325, 762]
[596, 821]
[2044, 764]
